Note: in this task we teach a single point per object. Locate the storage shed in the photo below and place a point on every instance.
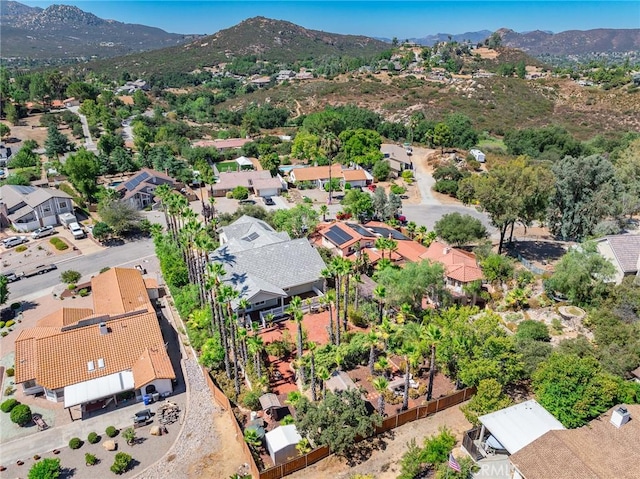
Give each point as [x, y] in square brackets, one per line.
[281, 443]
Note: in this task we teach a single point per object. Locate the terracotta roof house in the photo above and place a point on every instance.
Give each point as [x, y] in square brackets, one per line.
[608, 447]
[27, 208]
[397, 156]
[624, 252]
[259, 182]
[116, 347]
[350, 239]
[320, 175]
[460, 267]
[139, 189]
[265, 266]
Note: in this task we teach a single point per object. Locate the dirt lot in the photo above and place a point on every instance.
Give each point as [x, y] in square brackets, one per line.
[381, 456]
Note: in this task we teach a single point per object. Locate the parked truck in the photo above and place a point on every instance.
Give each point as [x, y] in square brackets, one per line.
[41, 269]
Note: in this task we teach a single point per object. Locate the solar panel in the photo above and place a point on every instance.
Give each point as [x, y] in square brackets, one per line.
[361, 230]
[253, 236]
[385, 232]
[337, 236]
[136, 180]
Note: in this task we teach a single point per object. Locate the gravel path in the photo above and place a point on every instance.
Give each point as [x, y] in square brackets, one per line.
[198, 435]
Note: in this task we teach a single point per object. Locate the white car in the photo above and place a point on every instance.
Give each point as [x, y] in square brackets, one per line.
[76, 230]
[43, 232]
[14, 241]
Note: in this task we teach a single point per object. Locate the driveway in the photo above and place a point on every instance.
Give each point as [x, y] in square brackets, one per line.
[88, 144]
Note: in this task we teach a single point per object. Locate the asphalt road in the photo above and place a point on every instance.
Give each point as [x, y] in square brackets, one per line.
[87, 265]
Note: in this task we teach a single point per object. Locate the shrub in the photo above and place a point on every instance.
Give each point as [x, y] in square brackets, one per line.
[8, 405]
[75, 443]
[21, 415]
[10, 372]
[70, 276]
[121, 463]
[93, 438]
[83, 292]
[71, 286]
[105, 269]
[90, 459]
[357, 318]
[2, 323]
[397, 189]
[129, 435]
[9, 390]
[59, 244]
[251, 400]
[45, 469]
[4, 333]
[111, 431]
[9, 323]
[240, 193]
[21, 248]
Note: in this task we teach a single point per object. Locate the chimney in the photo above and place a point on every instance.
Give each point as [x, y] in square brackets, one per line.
[620, 417]
[103, 328]
[446, 250]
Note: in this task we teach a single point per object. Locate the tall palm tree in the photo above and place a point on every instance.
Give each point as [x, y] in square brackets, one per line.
[324, 210]
[324, 375]
[411, 229]
[380, 293]
[256, 346]
[243, 336]
[343, 269]
[383, 365]
[334, 268]
[380, 384]
[373, 341]
[243, 305]
[311, 347]
[295, 309]
[227, 295]
[433, 336]
[357, 279]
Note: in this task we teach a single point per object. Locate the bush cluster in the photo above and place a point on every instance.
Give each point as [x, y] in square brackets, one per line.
[121, 463]
[75, 443]
[8, 405]
[21, 415]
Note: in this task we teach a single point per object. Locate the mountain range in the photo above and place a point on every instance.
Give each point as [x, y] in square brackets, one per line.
[65, 32]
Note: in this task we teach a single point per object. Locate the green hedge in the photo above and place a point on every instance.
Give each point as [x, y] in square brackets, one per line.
[59, 244]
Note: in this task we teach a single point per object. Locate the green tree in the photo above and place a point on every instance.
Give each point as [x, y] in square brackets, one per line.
[441, 136]
[45, 469]
[534, 330]
[70, 276]
[336, 421]
[4, 290]
[11, 113]
[358, 203]
[458, 230]
[586, 192]
[381, 170]
[490, 397]
[56, 143]
[25, 158]
[573, 389]
[412, 283]
[306, 146]
[361, 146]
[21, 415]
[101, 231]
[271, 162]
[120, 216]
[83, 169]
[581, 275]
[298, 221]
[5, 131]
[496, 267]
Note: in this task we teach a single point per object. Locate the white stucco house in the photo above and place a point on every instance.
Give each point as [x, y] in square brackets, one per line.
[27, 208]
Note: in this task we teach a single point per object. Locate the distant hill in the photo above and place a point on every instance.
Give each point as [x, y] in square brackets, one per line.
[430, 40]
[573, 42]
[67, 32]
[271, 40]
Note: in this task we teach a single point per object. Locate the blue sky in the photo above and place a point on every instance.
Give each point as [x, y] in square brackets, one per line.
[380, 18]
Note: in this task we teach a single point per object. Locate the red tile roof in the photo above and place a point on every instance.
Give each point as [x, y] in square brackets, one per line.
[459, 265]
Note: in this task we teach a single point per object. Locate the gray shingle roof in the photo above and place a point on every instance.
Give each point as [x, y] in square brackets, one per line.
[626, 249]
[13, 195]
[249, 233]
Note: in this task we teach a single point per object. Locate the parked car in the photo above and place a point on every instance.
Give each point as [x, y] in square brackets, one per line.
[268, 201]
[41, 269]
[402, 219]
[11, 277]
[372, 187]
[77, 231]
[43, 232]
[14, 241]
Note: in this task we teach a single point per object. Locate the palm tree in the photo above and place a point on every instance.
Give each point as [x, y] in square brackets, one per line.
[303, 446]
[473, 289]
[227, 295]
[324, 210]
[373, 340]
[243, 334]
[383, 365]
[243, 305]
[411, 229]
[324, 375]
[256, 346]
[295, 310]
[294, 398]
[343, 269]
[251, 437]
[380, 384]
[433, 336]
[357, 280]
[380, 293]
[311, 346]
[330, 298]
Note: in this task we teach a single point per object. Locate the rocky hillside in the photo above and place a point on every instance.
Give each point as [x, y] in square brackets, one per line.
[573, 42]
[67, 32]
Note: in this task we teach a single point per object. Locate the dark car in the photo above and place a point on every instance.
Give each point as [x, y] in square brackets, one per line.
[268, 201]
[11, 277]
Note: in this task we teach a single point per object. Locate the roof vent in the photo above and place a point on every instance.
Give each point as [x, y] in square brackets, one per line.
[103, 328]
[446, 250]
[620, 417]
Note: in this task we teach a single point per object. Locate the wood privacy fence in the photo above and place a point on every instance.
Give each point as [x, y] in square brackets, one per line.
[300, 462]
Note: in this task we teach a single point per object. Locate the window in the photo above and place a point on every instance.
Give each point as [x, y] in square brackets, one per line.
[90, 366]
[62, 204]
[46, 208]
[258, 303]
[101, 363]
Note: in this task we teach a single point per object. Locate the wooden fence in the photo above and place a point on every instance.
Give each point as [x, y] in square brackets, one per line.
[418, 412]
[306, 460]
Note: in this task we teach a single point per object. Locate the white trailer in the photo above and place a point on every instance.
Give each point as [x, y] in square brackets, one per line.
[478, 155]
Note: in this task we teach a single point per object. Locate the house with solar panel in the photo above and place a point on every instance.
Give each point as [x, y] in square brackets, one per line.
[139, 189]
[267, 267]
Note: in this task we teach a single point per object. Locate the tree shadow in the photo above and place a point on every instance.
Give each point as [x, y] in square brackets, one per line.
[363, 450]
[133, 464]
[67, 472]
